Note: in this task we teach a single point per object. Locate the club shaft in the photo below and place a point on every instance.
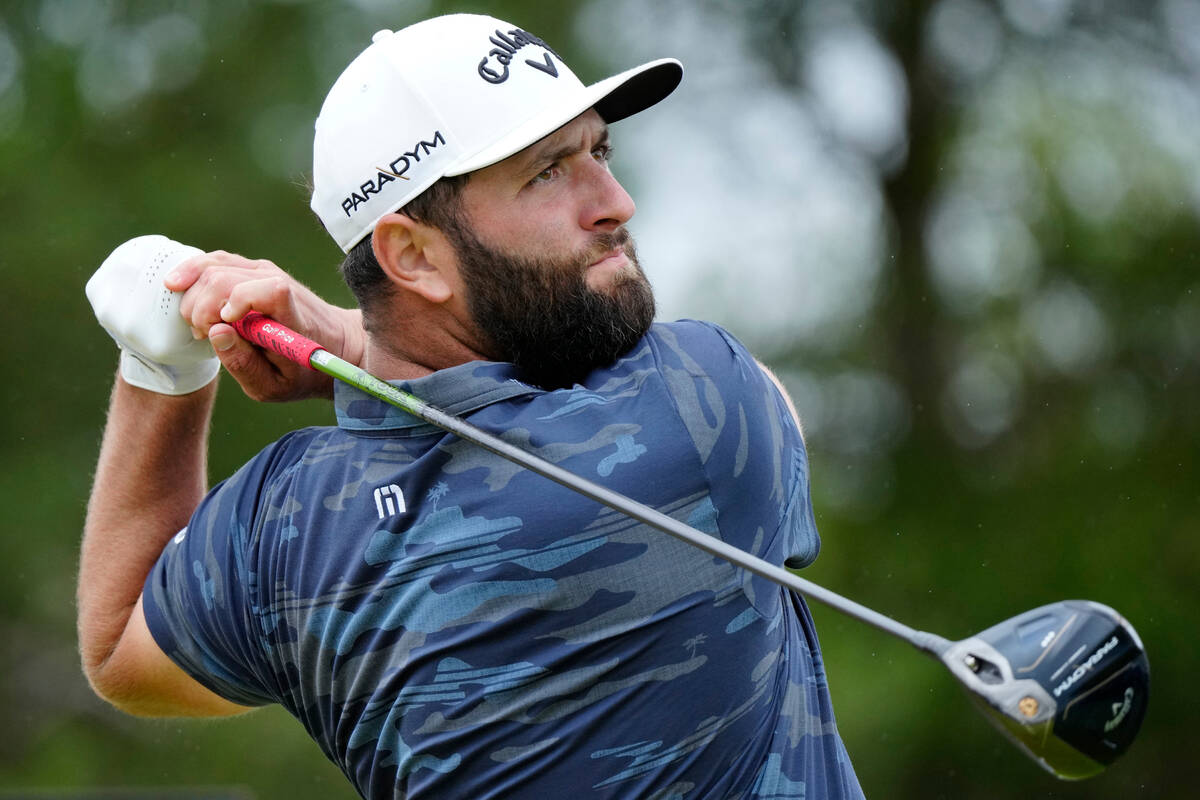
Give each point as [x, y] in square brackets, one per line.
[326, 362]
[280, 339]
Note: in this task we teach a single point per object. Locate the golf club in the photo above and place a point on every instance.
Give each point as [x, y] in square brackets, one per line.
[1068, 682]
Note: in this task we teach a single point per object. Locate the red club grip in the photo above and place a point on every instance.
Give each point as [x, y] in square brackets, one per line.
[266, 332]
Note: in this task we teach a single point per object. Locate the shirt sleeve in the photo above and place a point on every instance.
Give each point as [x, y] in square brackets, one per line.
[749, 444]
[197, 597]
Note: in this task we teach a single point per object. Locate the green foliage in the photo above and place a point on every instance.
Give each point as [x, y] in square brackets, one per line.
[1015, 470]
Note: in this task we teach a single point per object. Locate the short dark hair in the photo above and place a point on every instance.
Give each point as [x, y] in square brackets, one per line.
[439, 206]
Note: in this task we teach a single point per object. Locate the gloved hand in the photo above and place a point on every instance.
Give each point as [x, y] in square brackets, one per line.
[127, 294]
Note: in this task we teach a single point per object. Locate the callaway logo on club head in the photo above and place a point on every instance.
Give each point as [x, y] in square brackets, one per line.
[1120, 710]
[506, 47]
[395, 171]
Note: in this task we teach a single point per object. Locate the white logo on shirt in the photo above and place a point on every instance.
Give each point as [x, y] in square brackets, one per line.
[389, 501]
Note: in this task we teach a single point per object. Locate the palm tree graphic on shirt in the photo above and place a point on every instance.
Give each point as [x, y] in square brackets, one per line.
[435, 494]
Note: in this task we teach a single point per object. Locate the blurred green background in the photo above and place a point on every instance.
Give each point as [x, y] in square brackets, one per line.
[964, 232]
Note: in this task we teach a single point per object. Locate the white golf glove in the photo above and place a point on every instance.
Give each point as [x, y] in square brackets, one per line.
[157, 349]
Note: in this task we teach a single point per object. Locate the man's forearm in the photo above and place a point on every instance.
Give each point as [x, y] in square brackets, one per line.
[149, 479]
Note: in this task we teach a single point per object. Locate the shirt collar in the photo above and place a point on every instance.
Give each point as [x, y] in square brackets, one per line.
[457, 390]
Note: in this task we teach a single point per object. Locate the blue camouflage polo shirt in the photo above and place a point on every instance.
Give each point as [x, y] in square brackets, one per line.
[447, 625]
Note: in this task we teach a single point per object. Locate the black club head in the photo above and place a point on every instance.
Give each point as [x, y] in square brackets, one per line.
[1069, 682]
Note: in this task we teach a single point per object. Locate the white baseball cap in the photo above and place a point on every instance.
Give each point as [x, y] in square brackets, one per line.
[448, 96]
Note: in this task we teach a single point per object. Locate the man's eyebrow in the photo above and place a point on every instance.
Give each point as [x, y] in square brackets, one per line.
[550, 152]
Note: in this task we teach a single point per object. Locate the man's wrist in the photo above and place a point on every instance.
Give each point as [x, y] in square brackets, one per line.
[166, 379]
[141, 400]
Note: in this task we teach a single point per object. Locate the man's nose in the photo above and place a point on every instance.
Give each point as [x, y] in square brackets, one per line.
[609, 206]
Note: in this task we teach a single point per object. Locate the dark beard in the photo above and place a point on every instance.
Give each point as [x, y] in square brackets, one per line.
[541, 315]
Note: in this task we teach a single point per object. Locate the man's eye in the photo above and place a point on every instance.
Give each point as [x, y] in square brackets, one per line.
[602, 153]
[546, 174]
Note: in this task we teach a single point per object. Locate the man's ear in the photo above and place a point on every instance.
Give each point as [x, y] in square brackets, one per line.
[414, 256]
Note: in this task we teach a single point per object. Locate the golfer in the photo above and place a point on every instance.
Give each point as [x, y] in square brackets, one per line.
[442, 623]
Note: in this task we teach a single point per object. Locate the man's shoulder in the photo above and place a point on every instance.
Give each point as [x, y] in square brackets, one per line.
[689, 328]
[295, 442]
[699, 347]
[283, 453]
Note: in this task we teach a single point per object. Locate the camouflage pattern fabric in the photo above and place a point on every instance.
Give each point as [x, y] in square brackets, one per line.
[447, 625]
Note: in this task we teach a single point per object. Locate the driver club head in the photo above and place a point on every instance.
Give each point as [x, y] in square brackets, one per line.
[1068, 682]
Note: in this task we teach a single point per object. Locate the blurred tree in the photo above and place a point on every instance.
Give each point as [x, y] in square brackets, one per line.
[1035, 316]
[964, 231]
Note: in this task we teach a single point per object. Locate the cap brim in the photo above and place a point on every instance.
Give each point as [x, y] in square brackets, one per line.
[615, 98]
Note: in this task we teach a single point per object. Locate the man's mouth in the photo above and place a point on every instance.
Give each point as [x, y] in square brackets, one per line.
[611, 258]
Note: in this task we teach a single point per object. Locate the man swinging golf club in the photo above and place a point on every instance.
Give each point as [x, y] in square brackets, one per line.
[443, 623]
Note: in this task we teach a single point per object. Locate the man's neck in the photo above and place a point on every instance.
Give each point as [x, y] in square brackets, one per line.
[415, 346]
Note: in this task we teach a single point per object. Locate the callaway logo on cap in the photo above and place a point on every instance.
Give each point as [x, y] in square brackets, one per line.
[447, 96]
